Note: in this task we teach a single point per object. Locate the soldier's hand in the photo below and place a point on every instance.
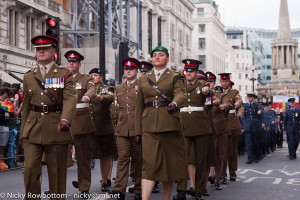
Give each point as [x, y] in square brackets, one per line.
[273, 122]
[172, 108]
[205, 91]
[100, 98]
[85, 99]
[222, 107]
[237, 105]
[138, 139]
[63, 126]
[259, 112]
[240, 115]
[263, 125]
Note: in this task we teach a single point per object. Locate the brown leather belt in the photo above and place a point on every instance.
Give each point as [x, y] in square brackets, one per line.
[46, 109]
[156, 104]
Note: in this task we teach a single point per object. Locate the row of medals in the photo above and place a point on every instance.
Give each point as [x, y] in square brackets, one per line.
[54, 83]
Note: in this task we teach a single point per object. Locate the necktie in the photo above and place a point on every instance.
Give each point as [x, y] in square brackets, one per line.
[43, 71]
[128, 84]
[250, 104]
[157, 76]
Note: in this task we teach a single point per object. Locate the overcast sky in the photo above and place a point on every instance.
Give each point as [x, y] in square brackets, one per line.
[257, 13]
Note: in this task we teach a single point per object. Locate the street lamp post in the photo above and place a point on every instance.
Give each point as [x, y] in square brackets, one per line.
[253, 79]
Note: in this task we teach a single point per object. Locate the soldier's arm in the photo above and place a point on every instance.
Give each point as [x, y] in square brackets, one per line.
[241, 111]
[139, 109]
[285, 121]
[26, 105]
[91, 90]
[225, 103]
[69, 99]
[238, 98]
[179, 91]
[109, 97]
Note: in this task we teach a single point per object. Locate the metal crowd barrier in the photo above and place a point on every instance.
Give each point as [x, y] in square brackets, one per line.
[11, 148]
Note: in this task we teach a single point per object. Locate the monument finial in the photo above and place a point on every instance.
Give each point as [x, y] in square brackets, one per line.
[284, 27]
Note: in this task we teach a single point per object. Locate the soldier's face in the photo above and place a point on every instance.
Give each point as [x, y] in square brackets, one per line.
[45, 55]
[250, 99]
[160, 59]
[292, 105]
[74, 66]
[201, 81]
[97, 77]
[212, 85]
[191, 76]
[130, 74]
[225, 84]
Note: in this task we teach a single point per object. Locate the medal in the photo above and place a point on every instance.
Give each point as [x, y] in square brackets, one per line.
[296, 114]
[198, 90]
[50, 82]
[46, 82]
[78, 86]
[54, 83]
[58, 82]
[208, 101]
[62, 83]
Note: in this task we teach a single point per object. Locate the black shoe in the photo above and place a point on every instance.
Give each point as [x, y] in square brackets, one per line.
[205, 193]
[108, 182]
[181, 195]
[191, 192]
[104, 187]
[211, 180]
[291, 158]
[198, 197]
[155, 188]
[249, 162]
[137, 196]
[218, 186]
[232, 178]
[47, 192]
[85, 194]
[75, 184]
[295, 156]
[117, 193]
[224, 181]
[131, 190]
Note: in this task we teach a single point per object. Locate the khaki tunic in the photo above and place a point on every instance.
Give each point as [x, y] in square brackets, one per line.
[161, 131]
[39, 131]
[114, 110]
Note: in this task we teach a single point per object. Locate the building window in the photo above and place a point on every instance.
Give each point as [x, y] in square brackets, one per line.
[180, 37]
[243, 66]
[13, 28]
[149, 32]
[201, 28]
[201, 43]
[203, 60]
[240, 88]
[237, 65]
[240, 76]
[30, 32]
[159, 30]
[237, 55]
[242, 55]
[246, 88]
[200, 11]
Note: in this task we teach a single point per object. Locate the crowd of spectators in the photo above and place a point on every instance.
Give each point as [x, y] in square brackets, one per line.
[11, 150]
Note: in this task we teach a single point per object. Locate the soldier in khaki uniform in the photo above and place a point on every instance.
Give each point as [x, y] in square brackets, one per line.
[47, 115]
[196, 127]
[145, 67]
[126, 97]
[158, 127]
[83, 126]
[104, 147]
[221, 135]
[233, 124]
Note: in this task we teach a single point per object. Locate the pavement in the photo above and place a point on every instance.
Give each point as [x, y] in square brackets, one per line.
[276, 177]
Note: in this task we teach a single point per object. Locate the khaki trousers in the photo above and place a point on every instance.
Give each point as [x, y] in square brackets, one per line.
[56, 157]
[233, 160]
[83, 151]
[125, 145]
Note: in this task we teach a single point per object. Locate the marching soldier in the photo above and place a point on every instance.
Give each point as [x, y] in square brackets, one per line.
[221, 136]
[292, 128]
[160, 94]
[196, 127]
[45, 125]
[104, 147]
[126, 97]
[145, 67]
[201, 77]
[252, 127]
[83, 127]
[234, 125]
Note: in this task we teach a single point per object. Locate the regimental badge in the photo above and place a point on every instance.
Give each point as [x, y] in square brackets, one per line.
[62, 83]
[160, 48]
[208, 101]
[188, 62]
[198, 90]
[78, 86]
[72, 56]
[128, 63]
[41, 40]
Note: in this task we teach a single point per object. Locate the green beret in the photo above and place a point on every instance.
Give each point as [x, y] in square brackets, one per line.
[159, 48]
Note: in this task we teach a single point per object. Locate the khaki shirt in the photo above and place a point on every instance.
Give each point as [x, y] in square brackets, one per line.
[82, 122]
[41, 128]
[218, 115]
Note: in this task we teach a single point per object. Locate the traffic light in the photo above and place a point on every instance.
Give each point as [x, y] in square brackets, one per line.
[53, 30]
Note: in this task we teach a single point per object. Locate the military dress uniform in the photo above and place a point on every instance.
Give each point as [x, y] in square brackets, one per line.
[233, 96]
[196, 128]
[125, 132]
[292, 127]
[83, 127]
[40, 119]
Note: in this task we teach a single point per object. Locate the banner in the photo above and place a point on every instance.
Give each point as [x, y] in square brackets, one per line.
[282, 101]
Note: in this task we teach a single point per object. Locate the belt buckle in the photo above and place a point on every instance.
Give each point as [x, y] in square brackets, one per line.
[189, 109]
[154, 103]
[45, 109]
